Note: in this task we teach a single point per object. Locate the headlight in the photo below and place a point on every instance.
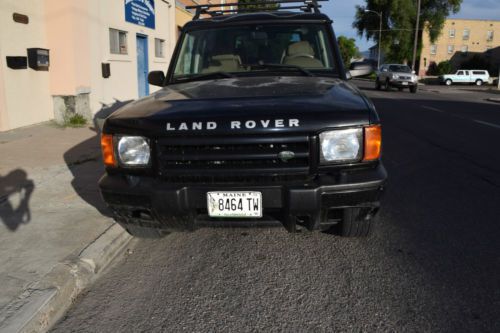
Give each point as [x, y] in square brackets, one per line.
[341, 145]
[395, 77]
[134, 150]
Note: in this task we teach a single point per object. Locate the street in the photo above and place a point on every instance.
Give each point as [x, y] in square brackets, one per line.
[432, 264]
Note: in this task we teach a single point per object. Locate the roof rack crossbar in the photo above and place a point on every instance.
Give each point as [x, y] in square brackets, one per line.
[309, 6]
[220, 12]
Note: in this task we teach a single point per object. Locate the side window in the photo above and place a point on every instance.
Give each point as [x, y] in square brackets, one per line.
[460, 73]
[159, 48]
[117, 41]
[466, 34]
[185, 63]
[433, 49]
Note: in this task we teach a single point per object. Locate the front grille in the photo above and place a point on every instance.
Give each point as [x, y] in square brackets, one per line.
[405, 77]
[211, 159]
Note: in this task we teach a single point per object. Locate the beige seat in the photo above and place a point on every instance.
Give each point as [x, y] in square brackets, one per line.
[224, 63]
[302, 54]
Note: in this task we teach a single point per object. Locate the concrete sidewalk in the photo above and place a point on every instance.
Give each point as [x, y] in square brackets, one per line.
[54, 233]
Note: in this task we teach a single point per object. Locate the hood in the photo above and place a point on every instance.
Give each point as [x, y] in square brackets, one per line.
[244, 104]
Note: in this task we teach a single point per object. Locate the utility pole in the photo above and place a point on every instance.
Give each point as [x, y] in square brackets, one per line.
[416, 36]
[379, 33]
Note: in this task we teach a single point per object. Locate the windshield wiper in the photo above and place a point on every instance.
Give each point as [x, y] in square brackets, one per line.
[203, 76]
[281, 66]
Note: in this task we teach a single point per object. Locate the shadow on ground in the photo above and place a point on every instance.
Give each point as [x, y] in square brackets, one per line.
[85, 162]
[15, 193]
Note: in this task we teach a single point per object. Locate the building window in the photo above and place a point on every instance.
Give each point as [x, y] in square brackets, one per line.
[466, 34]
[452, 33]
[451, 49]
[489, 35]
[433, 49]
[117, 41]
[159, 48]
[465, 49]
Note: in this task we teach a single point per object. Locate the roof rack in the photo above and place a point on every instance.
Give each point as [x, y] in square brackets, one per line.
[307, 6]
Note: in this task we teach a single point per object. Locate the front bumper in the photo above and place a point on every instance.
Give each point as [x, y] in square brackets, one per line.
[402, 83]
[316, 204]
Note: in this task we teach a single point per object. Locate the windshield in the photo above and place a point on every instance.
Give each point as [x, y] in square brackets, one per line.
[400, 68]
[240, 50]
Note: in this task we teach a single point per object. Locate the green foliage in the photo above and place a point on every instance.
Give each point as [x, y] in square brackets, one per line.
[444, 67]
[262, 5]
[398, 23]
[348, 49]
[76, 120]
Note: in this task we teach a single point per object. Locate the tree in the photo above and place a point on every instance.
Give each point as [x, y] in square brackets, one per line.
[348, 49]
[444, 67]
[398, 24]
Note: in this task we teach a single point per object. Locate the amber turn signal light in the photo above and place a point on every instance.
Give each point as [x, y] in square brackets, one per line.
[373, 142]
[108, 153]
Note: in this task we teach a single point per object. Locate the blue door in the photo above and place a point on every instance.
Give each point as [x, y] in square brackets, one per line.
[142, 65]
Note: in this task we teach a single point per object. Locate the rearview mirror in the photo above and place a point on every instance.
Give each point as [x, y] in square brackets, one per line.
[156, 78]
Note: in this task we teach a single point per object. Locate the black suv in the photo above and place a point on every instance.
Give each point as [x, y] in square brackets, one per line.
[255, 124]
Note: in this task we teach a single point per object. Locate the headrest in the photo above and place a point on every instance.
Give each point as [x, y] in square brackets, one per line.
[302, 47]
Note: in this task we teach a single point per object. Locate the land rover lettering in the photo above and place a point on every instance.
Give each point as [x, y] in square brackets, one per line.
[234, 125]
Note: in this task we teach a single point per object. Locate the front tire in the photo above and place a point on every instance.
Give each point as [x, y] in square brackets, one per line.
[387, 86]
[356, 223]
[448, 82]
[414, 89]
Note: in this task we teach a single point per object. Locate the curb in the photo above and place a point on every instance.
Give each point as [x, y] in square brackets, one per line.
[494, 100]
[39, 307]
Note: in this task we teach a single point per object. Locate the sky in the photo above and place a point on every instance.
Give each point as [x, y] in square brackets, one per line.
[342, 12]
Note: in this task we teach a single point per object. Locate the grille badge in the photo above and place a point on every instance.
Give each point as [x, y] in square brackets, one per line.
[286, 155]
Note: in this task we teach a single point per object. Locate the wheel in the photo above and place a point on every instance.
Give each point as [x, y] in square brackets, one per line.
[448, 82]
[356, 222]
[479, 82]
[387, 86]
[413, 89]
[377, 84]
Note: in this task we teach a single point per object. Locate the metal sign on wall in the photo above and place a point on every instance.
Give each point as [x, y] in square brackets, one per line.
[141, 12]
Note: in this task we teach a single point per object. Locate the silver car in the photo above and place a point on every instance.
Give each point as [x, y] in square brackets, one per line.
[396, 75]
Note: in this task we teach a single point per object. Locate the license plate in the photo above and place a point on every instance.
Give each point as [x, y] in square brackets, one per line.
[241, 204]
[405, 83]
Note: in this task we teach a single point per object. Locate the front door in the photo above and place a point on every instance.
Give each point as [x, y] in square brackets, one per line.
[142, 65]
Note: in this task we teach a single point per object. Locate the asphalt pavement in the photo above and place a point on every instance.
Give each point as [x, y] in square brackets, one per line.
[432, 264]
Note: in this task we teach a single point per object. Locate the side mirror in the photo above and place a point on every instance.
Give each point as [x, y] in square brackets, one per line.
[156, 78]
[385, 70]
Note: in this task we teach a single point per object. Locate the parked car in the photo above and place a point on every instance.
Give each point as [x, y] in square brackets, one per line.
[255, 123]
[469, 76]
[396, 75]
